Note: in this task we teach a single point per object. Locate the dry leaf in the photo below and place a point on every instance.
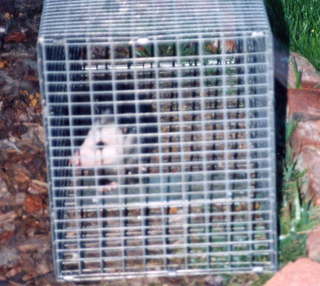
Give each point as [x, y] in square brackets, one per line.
[33, 204]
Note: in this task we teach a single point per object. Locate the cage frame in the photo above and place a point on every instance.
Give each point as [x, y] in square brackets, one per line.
[58, 40]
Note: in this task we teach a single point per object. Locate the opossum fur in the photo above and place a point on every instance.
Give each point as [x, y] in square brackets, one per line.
[106, 147]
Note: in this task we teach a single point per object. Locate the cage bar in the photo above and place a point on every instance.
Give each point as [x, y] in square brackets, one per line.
[160, 137]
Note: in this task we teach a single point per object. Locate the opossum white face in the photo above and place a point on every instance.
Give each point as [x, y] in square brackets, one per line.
[103, 146]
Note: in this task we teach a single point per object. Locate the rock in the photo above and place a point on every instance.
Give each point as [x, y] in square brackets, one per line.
[310, 76]
[309, 160]
[313, 244]
[306, 134]
[303, 272]
[303, 104]
[306, 146]
[285, 70]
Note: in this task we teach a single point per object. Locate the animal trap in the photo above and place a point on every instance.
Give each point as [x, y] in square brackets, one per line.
[160, 137]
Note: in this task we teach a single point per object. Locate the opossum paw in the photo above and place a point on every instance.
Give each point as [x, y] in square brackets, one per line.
[75, 160]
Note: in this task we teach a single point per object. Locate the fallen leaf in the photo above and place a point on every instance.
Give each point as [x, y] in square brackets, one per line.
[14, 283]
[31, 78]
[5, 236]
[3, 188]
[21, 175]
[16, 37]
[13, 271]
[3, 64]
[33, 204]
[8, 16]
[33, 244]
[38, 187]
[43, 268]
[7, 217]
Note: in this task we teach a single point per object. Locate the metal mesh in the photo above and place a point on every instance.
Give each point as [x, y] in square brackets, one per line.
[159, 120]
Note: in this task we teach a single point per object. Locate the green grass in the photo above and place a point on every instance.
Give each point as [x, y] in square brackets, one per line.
[297, 213]
[252, 279]
[262, 280]
[292, 247]
[297, 22]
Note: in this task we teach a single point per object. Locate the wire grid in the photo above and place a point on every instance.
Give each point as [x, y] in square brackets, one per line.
[189, 87]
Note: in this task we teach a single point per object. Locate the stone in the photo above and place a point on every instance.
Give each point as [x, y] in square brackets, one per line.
[306, 146]
[285, 69]
[303, 104]
[303, 272]
[310, 76]
[313, 244]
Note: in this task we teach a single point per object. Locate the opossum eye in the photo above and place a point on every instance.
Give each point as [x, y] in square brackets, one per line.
[100, 144]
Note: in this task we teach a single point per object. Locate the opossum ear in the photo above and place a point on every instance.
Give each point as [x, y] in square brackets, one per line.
[106, 117]
[105, 120]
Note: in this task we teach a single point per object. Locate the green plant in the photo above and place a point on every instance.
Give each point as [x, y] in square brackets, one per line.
[291, 196]
[292, 247]
[297, 23]
[262, 279]
[296, 209]
[297, 73]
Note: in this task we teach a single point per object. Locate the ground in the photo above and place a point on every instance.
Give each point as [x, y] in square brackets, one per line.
[25, 249]
[25, 241]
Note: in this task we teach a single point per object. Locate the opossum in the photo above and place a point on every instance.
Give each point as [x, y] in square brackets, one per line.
[106, 147]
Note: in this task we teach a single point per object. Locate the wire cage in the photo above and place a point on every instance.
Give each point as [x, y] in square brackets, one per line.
[160, 137]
